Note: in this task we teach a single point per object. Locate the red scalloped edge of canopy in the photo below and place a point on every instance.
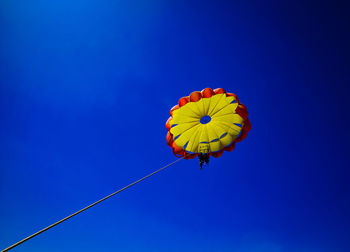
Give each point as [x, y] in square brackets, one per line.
[195, 97]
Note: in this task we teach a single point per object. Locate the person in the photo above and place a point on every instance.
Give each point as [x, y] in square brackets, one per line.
[203, 159]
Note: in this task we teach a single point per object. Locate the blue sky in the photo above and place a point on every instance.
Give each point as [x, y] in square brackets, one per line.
[85, 91]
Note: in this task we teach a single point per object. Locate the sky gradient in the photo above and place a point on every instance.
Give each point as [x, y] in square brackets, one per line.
[85, 91]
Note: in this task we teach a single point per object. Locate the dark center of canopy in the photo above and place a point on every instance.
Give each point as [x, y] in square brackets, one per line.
[205, 119]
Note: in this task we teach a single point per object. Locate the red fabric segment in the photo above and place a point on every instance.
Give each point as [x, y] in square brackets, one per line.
[241, 137]
[217, 154]
[190, 156]
[207, 92]
[178, 154]
[195, 96]
[169, 139]
[230, 147]
[247, 126]
[243, 107]
[219, 91]
[167, 124]
[242, 111]
[183, 101]
[232, 94]
[177, 149]
[174, 108]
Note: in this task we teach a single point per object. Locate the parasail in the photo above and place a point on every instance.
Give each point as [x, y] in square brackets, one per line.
[206, 123]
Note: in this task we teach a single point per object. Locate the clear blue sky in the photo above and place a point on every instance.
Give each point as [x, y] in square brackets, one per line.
[85, 91]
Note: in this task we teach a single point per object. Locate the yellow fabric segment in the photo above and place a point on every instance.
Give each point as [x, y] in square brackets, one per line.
[185, 116]
[199, 107]
[196, 135]
[194, 140]
[179, 129]
[220, 104]
[185, 136]
[204, 138]
[226, 140]
[225, 110]
[231, 130]
[206, 104]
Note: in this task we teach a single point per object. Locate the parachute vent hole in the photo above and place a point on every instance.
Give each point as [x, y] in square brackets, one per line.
[205, 119]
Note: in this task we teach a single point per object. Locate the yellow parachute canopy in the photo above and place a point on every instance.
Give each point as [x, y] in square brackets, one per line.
[207, 122]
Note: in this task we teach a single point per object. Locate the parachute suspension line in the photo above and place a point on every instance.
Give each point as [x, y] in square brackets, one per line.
[87, 207]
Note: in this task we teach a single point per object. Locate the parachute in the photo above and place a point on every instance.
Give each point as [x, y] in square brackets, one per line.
[206, 123]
